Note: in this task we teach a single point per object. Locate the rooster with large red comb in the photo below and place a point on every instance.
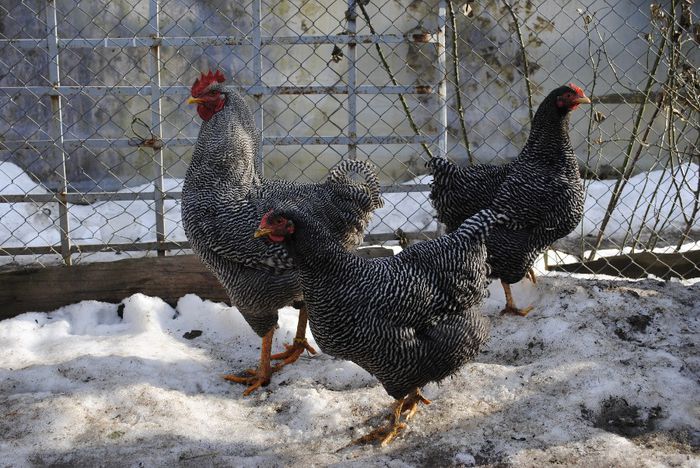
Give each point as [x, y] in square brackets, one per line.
[223, 199]
[541, 189]
[208, 102]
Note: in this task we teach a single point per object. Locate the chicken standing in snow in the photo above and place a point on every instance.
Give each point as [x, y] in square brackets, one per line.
[409, 319]
[223, 199]
[542, 187]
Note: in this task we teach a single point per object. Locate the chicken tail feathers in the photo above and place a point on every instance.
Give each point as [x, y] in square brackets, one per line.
[478, 226]
[443, 190]
[342, 174]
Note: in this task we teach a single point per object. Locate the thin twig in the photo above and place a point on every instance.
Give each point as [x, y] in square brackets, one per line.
[611, 64]
[684, 183]
[677, 198]
[690, 221]
[455, 70]
[655, 230]
[637, 240]
[526, 64]
[626, 170]
[650, 123]
[661, 147]
[406, 109]
[671, 83]
[589, 146]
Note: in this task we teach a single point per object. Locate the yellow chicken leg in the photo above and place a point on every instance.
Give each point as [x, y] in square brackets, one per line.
[510, 305]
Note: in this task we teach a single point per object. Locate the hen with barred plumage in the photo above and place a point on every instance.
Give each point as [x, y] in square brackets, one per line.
[223, 199]
[409, 319]
[541, 189]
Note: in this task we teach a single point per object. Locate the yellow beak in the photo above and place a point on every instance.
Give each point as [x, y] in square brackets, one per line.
[194, 100]
[582, 100]
[262, 232]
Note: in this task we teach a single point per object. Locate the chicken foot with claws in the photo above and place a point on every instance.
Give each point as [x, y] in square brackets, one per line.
[259, 377]
[510, 307]
[531, 276]
[410, 404]
[294, 350]
[385, 434]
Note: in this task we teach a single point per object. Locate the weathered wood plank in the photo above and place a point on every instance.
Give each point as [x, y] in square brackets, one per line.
[46, 289]
[639, 265]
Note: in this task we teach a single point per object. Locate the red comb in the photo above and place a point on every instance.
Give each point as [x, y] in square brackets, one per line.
[263, 221]
[201, 83]
[578, 90]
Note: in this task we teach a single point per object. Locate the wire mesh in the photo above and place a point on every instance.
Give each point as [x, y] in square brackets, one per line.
[95, 137]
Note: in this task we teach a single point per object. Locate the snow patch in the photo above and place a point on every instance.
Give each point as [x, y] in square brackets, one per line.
[465, 459]
[83, 386]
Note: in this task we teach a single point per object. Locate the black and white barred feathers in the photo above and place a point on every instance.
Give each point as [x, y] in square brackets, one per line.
[223, 199]
[540, 192]
[409, 319]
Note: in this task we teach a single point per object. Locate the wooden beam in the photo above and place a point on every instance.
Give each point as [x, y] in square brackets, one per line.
[632, 98]
[46, 289]
[639, 265]
[43, 289]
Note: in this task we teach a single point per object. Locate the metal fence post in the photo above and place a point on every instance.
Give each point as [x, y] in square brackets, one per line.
[156, 128]
[257, 71]
[442, 89]
[442, 73]
[56, 127]
[351, 16]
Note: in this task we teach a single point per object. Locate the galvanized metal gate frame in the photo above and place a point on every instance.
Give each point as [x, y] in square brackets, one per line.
[61, 145]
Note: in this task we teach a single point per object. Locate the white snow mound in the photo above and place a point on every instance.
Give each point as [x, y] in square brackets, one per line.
[601, 373]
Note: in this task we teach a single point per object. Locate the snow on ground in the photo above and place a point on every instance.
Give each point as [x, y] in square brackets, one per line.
[37, 224]
[602, 373]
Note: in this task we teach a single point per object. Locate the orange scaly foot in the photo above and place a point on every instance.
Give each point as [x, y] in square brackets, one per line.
[387, 433]
[293, 351]
[259, 377]
[516, 311]
[411, 403]
[531, 276]
[300, 344]
[510, 305]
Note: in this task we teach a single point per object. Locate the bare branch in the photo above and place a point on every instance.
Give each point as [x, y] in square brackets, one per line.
[455, 70]
[385, 63]
[526, 64]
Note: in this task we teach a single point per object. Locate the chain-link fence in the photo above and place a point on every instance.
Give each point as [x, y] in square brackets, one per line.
[95, 137]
